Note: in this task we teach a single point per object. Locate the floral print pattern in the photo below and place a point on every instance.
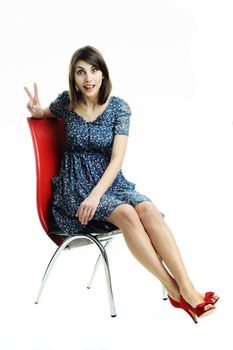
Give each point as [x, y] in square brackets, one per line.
[87, 155]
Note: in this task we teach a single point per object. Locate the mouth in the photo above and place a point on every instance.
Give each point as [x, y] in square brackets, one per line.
[89, 87]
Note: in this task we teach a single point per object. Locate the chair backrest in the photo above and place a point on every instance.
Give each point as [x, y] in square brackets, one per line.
[48, 140]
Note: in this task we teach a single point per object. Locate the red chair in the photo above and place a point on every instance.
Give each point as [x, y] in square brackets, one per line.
[48, 141]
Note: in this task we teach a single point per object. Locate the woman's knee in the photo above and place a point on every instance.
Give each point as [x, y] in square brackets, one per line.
[123, 215]
[147, 211]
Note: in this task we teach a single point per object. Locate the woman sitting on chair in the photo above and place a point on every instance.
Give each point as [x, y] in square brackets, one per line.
[91, 185]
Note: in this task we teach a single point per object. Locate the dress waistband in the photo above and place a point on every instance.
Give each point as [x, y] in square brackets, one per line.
[84, 152]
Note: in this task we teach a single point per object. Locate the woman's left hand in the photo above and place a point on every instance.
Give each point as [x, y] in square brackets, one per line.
[87, 209]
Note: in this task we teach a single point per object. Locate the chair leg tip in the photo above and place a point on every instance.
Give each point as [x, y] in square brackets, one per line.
[113, 315]
[164, 298]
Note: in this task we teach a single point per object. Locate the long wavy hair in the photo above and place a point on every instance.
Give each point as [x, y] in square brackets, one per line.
[91, 56]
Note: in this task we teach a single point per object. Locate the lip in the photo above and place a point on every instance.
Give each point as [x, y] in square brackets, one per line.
[90, 86]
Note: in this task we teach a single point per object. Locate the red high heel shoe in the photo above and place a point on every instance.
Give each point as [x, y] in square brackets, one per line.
[177, 305]
[199, 310]
[174, 302]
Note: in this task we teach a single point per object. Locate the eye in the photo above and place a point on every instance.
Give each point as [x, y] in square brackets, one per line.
[94, 69]
[79, 72]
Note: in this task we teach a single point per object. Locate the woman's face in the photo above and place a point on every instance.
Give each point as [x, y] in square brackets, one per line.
[88, 79]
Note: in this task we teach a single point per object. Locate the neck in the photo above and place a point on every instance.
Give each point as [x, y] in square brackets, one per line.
[90, 102]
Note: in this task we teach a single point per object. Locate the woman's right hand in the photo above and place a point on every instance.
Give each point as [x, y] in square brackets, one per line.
[34, 105]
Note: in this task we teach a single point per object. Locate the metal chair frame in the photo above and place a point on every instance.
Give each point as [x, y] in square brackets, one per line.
[103, 254]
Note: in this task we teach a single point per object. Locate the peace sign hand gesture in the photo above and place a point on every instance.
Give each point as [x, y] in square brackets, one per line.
[34, 105]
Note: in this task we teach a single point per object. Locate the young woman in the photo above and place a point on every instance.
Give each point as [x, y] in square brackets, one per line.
[91, 185]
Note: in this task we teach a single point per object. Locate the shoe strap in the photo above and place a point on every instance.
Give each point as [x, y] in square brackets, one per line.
[208, 297]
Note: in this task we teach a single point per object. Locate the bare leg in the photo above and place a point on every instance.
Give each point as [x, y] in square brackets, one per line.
[126, 218]
[165, 244]
[146, 239]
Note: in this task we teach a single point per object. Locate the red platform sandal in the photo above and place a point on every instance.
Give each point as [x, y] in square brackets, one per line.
[199, 310]
[177, 305]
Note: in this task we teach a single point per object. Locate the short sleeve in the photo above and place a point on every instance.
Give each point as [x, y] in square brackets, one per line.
[60, 106]
[122, 120]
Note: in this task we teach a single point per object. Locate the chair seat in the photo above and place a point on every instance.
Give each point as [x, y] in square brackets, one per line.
[94, 227]
[102, 230]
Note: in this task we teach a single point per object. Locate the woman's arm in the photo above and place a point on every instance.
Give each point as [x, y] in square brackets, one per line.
[88, 207]
[116, 161]
[48, 113]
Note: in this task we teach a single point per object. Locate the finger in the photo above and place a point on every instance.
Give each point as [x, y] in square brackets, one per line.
[85, 216]
[36, 92]
[79, 211]
[91, 214]
[28, 93]
[88, 217]
[29, 107]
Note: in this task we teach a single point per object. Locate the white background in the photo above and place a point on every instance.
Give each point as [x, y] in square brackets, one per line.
[173, 62]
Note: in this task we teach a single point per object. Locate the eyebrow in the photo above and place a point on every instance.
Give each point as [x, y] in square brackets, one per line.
[80, 67]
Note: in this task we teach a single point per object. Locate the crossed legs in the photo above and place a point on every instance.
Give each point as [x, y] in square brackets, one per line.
[151, 242]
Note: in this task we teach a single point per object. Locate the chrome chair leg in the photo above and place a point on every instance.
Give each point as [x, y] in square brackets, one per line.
[107, 275]
[164, 292]
[51, 264]
[105, 261]
[97, 264]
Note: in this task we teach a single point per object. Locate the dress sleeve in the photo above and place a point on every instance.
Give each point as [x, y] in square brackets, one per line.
[122, 120]
[59, 107]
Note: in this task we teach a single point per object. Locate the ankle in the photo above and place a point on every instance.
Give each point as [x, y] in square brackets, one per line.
[191, 296]
[187, 288]
[174, 294]
[173, 291]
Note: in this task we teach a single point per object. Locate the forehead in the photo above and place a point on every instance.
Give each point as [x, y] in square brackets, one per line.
[83, 64]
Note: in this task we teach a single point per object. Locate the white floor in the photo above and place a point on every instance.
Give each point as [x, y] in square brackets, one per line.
[71, 317]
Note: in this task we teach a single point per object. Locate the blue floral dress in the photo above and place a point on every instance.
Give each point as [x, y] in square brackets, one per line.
[87, 155]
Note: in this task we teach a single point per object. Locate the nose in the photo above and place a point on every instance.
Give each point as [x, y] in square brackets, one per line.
[88, 77]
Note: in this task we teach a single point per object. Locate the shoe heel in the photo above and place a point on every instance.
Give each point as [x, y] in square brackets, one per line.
[192, 315]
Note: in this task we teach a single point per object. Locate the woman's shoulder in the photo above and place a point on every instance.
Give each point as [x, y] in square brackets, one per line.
[60, 104]
[118, 99]
[64, 96]
[120, 103]
[62, 100]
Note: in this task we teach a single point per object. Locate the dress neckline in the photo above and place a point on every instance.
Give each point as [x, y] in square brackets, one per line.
[98, 116]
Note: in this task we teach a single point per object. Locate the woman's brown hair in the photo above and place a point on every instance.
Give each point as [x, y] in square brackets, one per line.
[92, 56]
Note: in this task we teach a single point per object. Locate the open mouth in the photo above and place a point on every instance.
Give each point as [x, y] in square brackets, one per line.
[89, 87]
